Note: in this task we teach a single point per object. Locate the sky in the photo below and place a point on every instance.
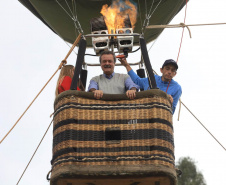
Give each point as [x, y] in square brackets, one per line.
[30, 53]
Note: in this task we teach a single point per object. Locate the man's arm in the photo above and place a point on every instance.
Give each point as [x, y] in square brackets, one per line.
[135, 78]
[125, 63]
[176, 98]
[91, 90]
[131, 87]
[93, 87]
[131, 94]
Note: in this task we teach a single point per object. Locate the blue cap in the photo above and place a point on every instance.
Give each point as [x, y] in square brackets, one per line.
[170, 61]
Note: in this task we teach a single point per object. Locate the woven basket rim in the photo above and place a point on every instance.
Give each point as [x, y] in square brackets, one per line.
[129, 170]
[111, 97]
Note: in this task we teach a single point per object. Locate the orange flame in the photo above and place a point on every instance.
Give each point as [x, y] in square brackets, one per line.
[116, 14]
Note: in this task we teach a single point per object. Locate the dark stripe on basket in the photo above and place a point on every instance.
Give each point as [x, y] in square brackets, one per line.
[115, 108]
[113, 149]
[113, 159]
[112, 107]
[102, 122]
[87, 135]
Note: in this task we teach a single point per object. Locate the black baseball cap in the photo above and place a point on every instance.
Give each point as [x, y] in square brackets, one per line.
[170, 61]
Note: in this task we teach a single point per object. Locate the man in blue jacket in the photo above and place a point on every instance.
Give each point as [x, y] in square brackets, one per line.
[164, 82]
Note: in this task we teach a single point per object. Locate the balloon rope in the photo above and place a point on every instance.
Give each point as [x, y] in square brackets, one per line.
[182, 25]
[180, 41]
[168, 86]
[203, 126]
[198, 120]
[34, 152]
[60, 66]
[179, 110]
[182, 31]
[73, 46]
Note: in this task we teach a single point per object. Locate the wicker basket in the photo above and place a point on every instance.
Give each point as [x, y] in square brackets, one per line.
[113, 140]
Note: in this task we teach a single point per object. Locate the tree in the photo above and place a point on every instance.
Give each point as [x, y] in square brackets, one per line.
[190, 174]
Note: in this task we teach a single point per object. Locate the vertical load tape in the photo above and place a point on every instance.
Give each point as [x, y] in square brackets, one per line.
[151, 78]
[78, 66]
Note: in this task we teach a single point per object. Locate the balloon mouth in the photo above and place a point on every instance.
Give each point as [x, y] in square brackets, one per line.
[120, 14]
[99, 24]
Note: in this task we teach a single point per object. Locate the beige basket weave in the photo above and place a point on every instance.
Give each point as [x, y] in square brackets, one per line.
[96, 141]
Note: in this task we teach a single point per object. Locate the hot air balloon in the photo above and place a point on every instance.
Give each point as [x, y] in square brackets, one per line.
[113, 140]
[68, 18]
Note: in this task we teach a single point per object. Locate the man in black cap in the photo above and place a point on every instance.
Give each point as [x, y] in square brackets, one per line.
[164, 82]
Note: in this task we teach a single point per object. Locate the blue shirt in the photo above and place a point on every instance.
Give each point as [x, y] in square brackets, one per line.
[174, 88]
[128, 83]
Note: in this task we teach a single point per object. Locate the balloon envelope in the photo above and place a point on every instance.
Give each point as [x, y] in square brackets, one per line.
[58, 15]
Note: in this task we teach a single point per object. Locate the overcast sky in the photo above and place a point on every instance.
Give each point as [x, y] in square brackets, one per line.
[30, 53]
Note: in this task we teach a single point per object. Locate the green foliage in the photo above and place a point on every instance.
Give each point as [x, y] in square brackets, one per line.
[190, 174]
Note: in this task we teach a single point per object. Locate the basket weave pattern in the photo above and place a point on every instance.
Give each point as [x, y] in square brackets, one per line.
[125, 132]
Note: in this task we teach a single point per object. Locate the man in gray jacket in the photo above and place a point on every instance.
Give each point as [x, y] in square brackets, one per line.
[110, 82]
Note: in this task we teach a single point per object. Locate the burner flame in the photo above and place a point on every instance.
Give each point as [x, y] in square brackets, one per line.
[117, 15]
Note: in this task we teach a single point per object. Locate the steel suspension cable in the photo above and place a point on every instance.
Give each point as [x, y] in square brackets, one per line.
[148, 15]
[140, 13]
[65, 10]
[74, 14]
[73, 17]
